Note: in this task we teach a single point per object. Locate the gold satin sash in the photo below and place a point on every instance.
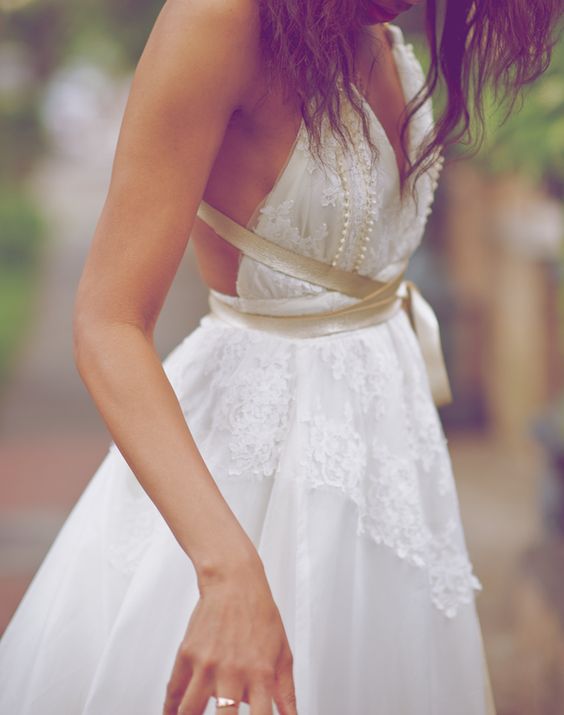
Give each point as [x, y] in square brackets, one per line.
[378, 300]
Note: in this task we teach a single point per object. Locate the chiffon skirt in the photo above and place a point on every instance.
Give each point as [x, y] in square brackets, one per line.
[331, 453]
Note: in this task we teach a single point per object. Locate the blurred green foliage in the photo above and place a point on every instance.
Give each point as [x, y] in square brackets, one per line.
[43, 37]
[113, 33]
[530, 140]
[21, 228]
[21, 231]
[18, 294]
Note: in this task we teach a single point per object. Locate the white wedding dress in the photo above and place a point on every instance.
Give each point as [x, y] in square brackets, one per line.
[331, 453]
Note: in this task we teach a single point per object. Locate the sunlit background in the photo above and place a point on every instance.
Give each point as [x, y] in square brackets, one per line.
[491, 264]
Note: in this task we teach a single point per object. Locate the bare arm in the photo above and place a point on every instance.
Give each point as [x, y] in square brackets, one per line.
[191, 77]
[186, 86]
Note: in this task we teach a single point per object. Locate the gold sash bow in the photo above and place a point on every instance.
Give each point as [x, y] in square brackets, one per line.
[426, 328]
[379, 300]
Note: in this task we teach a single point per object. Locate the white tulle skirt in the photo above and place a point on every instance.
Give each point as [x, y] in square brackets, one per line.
[331, 453]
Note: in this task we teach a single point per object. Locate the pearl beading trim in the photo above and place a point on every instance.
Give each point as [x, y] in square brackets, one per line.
[433, 174]
[368, 219]
[346, 210]
[368, 223]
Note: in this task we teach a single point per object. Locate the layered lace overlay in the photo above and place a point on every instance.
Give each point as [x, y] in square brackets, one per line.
[358, 420]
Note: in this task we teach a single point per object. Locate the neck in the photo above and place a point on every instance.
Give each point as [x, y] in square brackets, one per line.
[370, 39]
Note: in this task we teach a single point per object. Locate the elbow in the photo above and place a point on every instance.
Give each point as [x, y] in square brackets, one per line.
[95, 335]
[89, 326]
[84, 341]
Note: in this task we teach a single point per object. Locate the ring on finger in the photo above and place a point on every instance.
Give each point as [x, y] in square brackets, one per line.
[225, 702]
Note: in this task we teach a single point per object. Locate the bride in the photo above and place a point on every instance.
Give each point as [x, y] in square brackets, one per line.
[275, 527]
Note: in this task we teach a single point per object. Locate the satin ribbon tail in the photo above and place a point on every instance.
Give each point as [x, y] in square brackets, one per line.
[426, 327]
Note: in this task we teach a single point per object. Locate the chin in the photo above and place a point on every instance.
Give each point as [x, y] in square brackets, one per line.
[371, 13]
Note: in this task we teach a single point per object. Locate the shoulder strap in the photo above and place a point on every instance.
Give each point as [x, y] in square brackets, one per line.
[286, 261]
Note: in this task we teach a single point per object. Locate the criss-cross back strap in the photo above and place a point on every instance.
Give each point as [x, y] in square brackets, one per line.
[287, 261]
[377, 299]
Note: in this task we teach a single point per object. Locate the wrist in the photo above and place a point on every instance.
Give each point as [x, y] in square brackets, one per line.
[233, 565]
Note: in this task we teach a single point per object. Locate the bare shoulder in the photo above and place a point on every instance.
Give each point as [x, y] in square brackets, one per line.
[191, 79]
[234, 23]
[199, 41]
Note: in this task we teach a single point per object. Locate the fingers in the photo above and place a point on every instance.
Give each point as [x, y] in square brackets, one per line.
[275, 685]
[178, 681]
[229, 685]
[200, 673]
[232, 685]
[260, 699]
[197, 695]
[208, 681]
[284, 692]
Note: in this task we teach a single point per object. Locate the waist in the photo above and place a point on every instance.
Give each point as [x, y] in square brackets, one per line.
[305, 316]
[375, 308]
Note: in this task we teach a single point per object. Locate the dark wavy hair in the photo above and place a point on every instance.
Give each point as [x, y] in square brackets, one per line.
[310, 45]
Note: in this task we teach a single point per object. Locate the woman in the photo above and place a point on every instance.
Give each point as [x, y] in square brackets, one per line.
[275, 527]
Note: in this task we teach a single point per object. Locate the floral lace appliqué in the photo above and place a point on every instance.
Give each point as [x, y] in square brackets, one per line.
[253, 405]
[364, 370]
[395, 516]
[330, 195]
[335, 454]
[426, 441]
[393, 513]
[277, 225]
[450, 571]
[386, 488]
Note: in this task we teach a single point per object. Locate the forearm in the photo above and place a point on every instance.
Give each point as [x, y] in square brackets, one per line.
[124, 375]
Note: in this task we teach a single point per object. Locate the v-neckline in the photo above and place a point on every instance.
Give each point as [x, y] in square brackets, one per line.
[394, 44]
[283, 171]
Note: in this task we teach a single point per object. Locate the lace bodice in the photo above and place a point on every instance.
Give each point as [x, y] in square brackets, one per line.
[347, 215]
[350, 413]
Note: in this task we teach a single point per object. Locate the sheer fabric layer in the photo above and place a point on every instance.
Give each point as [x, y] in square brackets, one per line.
[331, 454]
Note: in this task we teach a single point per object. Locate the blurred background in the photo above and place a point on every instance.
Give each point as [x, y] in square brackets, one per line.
[491, 263]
